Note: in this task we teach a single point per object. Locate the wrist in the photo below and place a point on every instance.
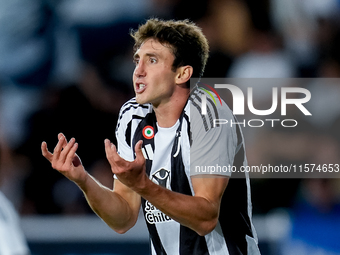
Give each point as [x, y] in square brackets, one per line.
[83, 180]
[143, 185]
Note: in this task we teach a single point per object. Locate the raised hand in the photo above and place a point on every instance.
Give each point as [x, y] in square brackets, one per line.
[65, 160]
[132, 174]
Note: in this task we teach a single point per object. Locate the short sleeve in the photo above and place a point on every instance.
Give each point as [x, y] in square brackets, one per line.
[130, 115]
[213, 147]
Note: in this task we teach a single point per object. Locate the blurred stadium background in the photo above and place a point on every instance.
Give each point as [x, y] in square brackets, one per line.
[66, 66]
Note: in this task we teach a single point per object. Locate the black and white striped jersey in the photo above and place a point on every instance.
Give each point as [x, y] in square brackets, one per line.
[169, 153]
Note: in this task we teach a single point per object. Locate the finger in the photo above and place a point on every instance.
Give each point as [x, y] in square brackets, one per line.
[71, 154]
[61, 135]
[65, 140]
[110, 149]
[48, 155]
[66, 150]
[58, 148]
[115, 160]
[107, 147]
[138, 150]
[109, 155]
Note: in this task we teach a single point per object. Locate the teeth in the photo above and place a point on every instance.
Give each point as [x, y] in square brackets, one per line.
[141, 86]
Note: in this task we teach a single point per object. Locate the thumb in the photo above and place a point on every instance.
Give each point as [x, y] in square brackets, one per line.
[138, 149]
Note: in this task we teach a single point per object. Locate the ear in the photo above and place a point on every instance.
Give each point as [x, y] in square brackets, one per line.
[184, 73]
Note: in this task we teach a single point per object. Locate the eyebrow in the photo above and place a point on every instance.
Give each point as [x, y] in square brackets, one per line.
[151, 54]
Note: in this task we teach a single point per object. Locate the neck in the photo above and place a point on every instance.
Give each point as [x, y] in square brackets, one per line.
[167, 114]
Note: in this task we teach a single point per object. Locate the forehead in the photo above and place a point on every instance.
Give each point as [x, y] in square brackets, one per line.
[152, 46]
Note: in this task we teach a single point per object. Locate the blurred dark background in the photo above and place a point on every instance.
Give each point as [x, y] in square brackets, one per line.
[66, 66]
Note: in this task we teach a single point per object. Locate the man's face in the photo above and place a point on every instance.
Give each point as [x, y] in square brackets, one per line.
[153, 78]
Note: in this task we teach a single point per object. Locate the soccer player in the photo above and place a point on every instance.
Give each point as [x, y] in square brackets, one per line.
[186, 213]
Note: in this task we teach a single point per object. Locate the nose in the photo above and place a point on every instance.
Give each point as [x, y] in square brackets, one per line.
[140, 70]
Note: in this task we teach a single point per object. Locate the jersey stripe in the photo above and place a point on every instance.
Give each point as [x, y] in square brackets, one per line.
[149, 119]
[129, 105]
[190, 241]
[193, 102]
[155, 240]
[235, 220]
[196, 96]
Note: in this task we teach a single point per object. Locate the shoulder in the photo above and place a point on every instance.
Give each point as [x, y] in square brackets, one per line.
[208, 109]
[130, 115]
[132, 107]
[132, 110]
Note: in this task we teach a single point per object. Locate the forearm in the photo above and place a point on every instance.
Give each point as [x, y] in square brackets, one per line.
[199, 212]
[108, 205]
[118, 210]
[195, 212]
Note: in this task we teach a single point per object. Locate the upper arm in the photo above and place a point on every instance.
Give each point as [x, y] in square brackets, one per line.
[210, 187]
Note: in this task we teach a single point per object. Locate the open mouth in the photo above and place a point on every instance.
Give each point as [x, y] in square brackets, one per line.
[140, 87]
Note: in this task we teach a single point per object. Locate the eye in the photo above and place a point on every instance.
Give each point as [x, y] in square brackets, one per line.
[153, 60]
[136, 61]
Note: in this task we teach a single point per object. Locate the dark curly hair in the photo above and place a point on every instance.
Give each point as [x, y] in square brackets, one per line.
[185, 38]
